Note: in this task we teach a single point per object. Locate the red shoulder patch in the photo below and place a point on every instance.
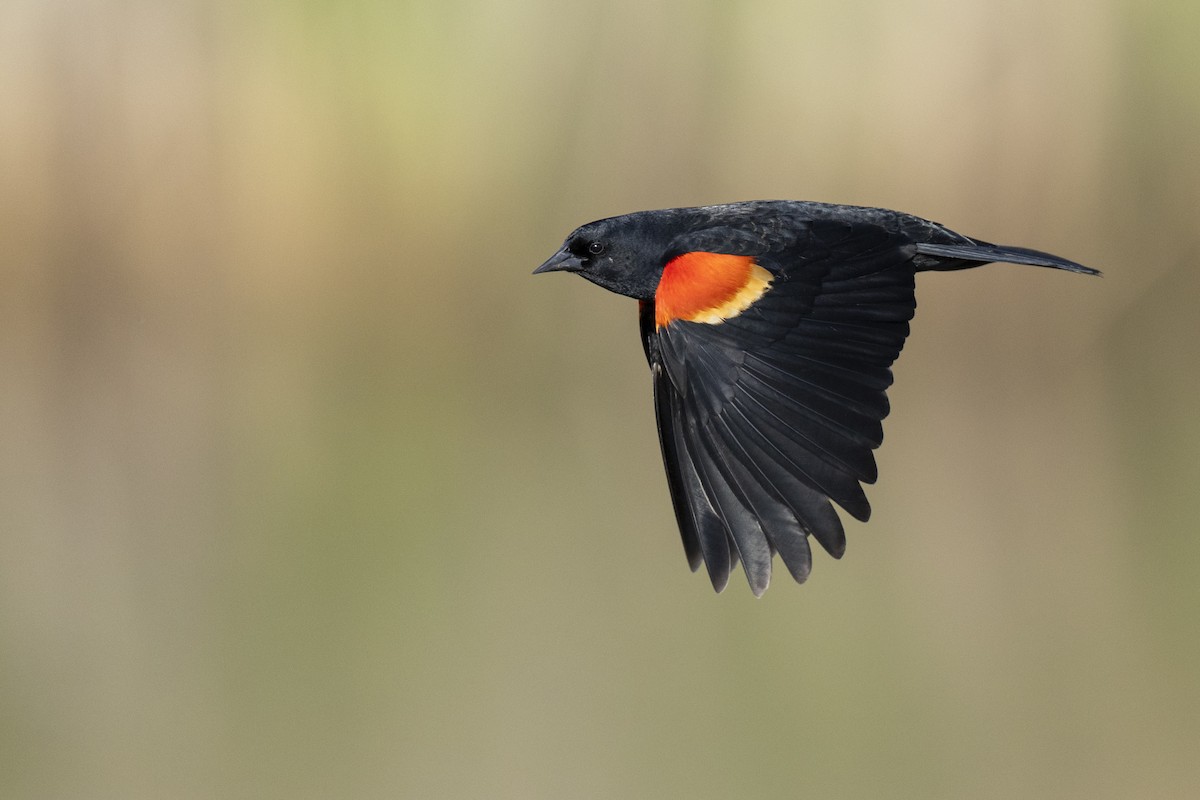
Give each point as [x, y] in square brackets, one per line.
[708, 287]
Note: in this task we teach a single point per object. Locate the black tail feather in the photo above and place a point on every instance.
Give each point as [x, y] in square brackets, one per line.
[962, 256]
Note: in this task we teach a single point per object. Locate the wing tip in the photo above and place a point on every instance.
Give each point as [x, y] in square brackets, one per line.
[719, 581]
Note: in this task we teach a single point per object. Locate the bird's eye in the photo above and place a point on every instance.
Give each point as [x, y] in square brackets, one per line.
[596, 248]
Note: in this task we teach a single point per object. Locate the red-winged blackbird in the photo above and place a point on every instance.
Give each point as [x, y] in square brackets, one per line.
[770, 328]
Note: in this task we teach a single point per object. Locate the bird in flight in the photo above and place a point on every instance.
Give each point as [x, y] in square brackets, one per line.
[770, 328]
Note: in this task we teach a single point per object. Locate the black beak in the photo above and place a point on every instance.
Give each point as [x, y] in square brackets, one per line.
[562, 261]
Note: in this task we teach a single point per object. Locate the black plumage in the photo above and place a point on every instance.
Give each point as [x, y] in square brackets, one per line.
[769, 384]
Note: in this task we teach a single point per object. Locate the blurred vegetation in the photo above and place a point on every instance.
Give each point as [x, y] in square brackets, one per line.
[309, 490]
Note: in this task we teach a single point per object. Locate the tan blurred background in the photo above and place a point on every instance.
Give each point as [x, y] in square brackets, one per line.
[309, 490]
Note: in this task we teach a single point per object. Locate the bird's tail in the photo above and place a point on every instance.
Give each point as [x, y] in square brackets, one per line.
[962, 256]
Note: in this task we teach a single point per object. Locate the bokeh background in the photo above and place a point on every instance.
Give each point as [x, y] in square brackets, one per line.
[309, 490]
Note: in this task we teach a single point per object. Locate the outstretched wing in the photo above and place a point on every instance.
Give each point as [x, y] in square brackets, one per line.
[770, 367]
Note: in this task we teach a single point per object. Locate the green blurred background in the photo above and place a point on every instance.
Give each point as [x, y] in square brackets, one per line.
[309, 490]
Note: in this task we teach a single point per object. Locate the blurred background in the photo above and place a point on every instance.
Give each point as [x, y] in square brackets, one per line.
[309, 490]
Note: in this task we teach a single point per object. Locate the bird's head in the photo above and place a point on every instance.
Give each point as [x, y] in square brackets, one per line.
[622, 254]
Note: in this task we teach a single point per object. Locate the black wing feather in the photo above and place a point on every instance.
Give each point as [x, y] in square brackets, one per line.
[776, 412]
[704, 536]
[812, 509]
[735, 510]
[686, 514]
[783, 526]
